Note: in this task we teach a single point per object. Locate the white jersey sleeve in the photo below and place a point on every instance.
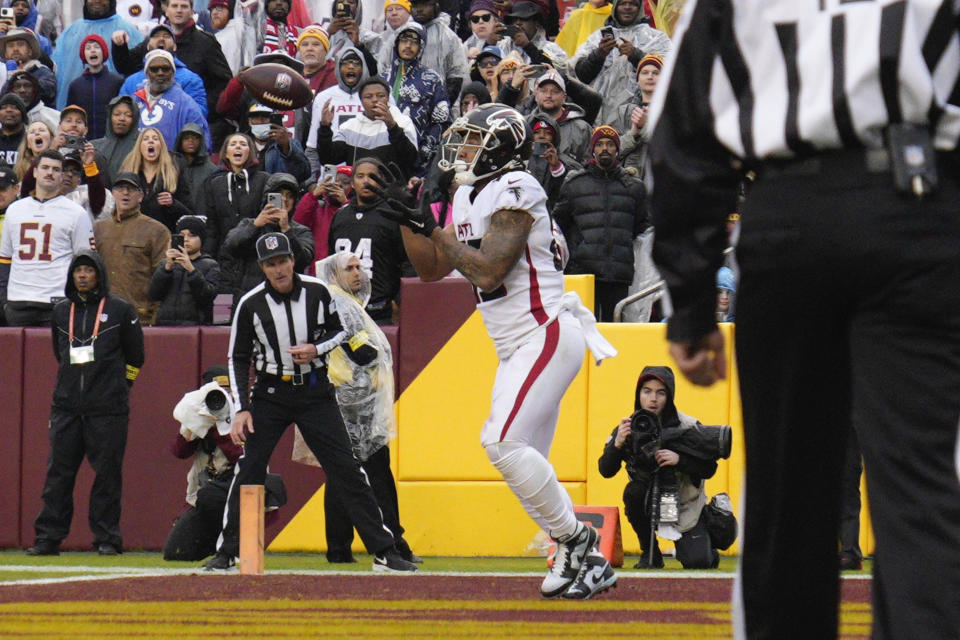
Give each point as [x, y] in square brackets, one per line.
[518, 191]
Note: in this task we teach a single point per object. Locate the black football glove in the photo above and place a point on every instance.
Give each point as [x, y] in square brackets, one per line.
[403, 205]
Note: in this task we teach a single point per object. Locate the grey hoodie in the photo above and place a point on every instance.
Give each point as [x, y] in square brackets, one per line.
[200, 168]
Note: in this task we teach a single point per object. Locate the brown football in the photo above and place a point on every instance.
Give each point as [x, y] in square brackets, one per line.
[277, 86]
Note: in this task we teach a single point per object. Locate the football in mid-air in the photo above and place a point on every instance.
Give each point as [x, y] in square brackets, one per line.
[277, 86]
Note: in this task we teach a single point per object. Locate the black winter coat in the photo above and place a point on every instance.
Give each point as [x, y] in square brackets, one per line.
[600, 213]
[100, 387]
[224, 211]
[186, 299]
[241, 246]
[182, 202]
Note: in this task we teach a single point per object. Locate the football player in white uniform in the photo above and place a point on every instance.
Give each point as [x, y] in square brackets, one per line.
[503, 241]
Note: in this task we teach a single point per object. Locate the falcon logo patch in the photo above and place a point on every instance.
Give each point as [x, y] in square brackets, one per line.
[516, 191]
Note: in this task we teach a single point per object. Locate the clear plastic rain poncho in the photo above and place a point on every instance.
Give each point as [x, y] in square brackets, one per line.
[364, 393]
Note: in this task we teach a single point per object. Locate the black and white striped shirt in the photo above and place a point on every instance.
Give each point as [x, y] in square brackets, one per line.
[267, 323]
[776, 78]
[755, 80]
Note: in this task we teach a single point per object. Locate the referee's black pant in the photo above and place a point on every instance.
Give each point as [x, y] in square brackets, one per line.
[275, 406]
[849, 312]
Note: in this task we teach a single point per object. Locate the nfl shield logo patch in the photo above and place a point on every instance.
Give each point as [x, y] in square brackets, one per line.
[272, 243]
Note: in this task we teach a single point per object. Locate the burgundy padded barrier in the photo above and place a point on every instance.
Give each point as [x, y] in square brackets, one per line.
[431, 312]
[11, 390]
[301, 481]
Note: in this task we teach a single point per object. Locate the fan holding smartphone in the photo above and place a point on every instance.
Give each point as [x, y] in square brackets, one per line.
[607, 60]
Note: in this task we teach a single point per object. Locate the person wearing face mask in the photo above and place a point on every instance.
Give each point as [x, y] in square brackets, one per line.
[277, 151]
[599, 210]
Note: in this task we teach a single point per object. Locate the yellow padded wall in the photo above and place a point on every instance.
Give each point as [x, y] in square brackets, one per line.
[611, 393]
[443, 410]
[441, 519]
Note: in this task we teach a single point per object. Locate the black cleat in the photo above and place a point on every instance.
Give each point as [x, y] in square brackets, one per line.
[220, 562]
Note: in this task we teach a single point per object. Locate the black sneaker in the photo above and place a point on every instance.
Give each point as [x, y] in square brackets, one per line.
[392, 562]
[107, 549]
[44, 548]
[339, 556]
[220, 562]
[407, 553]
[595, 576]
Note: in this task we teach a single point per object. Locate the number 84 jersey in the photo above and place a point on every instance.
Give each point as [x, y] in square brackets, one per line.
[39, 241]
[529, 296]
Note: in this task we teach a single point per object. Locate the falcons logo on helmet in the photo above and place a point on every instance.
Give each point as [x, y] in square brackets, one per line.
[508, 119]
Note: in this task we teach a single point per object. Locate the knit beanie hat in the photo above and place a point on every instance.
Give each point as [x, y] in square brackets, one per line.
[100, 41]
[314, 31]
[158, 53]
[194, 224]
[605, 131]
[15, 100]
[651, 58]
[402, 3]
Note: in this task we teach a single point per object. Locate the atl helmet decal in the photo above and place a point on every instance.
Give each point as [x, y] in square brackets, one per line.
[283, 82]
[272, 243]
[507, 119]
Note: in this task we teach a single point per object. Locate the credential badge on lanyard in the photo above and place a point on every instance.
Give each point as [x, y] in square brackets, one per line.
[84, 354]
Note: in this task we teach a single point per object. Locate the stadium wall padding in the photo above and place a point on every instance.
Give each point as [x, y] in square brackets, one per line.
[445, 364]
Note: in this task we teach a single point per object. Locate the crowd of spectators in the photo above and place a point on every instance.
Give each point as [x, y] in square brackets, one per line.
[156, 96]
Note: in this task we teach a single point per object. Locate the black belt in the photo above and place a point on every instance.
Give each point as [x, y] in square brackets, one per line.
[295, 379]
[858, 160]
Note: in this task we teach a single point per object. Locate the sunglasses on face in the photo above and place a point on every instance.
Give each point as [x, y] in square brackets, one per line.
[160, 69]
[489, 62]
[481, 18]
[413, 39]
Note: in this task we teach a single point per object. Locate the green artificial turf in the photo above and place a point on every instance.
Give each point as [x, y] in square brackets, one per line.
[301, 562]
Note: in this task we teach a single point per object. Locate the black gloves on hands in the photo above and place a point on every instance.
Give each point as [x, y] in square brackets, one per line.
[405, 210]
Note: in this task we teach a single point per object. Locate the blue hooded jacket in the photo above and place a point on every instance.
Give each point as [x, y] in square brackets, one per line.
[172, 111]
[188, 81]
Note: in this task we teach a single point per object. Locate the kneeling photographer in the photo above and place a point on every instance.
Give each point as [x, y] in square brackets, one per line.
[668, 456]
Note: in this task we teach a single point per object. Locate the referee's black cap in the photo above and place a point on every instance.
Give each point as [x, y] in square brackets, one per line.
[270, 245]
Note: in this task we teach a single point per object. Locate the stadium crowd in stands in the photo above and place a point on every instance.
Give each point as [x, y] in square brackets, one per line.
[155, 93]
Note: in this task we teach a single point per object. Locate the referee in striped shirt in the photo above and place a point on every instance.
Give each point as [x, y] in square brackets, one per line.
[285, 326]
[848, 311]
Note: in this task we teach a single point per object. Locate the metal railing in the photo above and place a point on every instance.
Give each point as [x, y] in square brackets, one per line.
[639, 295]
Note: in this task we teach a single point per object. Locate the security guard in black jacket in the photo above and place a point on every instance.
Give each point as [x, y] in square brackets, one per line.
[285, 326]
[98, 342]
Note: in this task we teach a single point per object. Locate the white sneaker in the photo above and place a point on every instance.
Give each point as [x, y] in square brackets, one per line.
[595, 576]
[567, 561]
